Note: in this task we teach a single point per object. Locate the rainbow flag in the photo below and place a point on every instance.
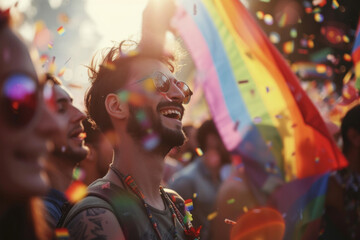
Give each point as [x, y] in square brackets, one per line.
[256, 101]
[356, 55]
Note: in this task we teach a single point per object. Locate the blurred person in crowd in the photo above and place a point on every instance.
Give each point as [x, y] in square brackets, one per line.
[342, 205]
[68, 150]
[26, 126]
[100, 155]
[202, 177]
[239, 192]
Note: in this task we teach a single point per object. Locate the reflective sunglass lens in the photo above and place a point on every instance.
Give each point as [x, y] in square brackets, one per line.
[20, 99]
[161, 82]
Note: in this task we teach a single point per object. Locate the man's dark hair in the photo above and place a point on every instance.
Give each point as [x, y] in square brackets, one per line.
[208, 127]
[351, 120]
[92, 133]
[109, 76]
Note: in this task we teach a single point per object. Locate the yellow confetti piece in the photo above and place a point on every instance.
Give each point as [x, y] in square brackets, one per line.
[230, 201]
[347, 57]
[317, 159]
[288, 47]
[199, 152]
[194, 195]
[245, 209]
[211, 216]
[50, 45]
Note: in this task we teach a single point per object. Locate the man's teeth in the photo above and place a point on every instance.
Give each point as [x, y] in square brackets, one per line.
[171, 113]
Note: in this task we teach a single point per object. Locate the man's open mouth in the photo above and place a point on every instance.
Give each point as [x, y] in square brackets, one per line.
[171, 113]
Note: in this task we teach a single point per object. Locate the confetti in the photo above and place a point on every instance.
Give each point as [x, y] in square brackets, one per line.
[61, 72]
[293, 33]
[274, 37]
[61, 30]
[279, 116]
[283, 20]
[267, 89]
[44, 58]
[228, 221]
[320, 68]
[260, 15]
[50, 45]
[62, 233]
[288, 47]
[109, 65]
[194, 195]
[267, 1]
[320, 3]
[105, 185]
[335, 4]
[124, 96]
[347, 57]
[211, 216]
[346, 39]
[245, 209]
[268, 19]
[317, 159]
[78, 174]
[199, 152]
[318, 17]
[230, 201]
[186, 157]
[73, 85]
[151, 141]
[243, 81]
[189, 205]
[63, 17]
[76, 191]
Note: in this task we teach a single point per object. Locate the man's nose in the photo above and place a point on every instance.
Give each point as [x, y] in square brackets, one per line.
[175, 93]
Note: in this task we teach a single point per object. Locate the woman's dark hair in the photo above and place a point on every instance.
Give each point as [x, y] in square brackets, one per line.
[110, 75]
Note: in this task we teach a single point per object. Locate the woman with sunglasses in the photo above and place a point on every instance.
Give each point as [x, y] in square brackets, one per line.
[26, 124]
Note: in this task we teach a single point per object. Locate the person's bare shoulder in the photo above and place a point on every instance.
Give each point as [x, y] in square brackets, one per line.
[95, 223]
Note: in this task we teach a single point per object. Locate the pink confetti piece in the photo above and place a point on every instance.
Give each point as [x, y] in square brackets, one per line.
[105, 185]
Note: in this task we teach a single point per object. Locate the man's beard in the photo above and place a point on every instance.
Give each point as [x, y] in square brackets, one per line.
[68, 153]
[144, 125]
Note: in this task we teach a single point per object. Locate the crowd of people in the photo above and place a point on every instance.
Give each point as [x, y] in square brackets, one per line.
[148, 176]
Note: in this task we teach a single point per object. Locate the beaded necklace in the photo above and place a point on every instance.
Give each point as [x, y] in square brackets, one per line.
[129, 182]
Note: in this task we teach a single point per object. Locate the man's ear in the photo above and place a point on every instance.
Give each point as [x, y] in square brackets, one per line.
[115, 107]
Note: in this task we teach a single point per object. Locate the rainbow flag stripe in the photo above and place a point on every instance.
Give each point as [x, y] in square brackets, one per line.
[254, 97]
[356, 55]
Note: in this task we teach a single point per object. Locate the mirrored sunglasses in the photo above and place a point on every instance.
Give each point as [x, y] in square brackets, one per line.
[20, 99]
